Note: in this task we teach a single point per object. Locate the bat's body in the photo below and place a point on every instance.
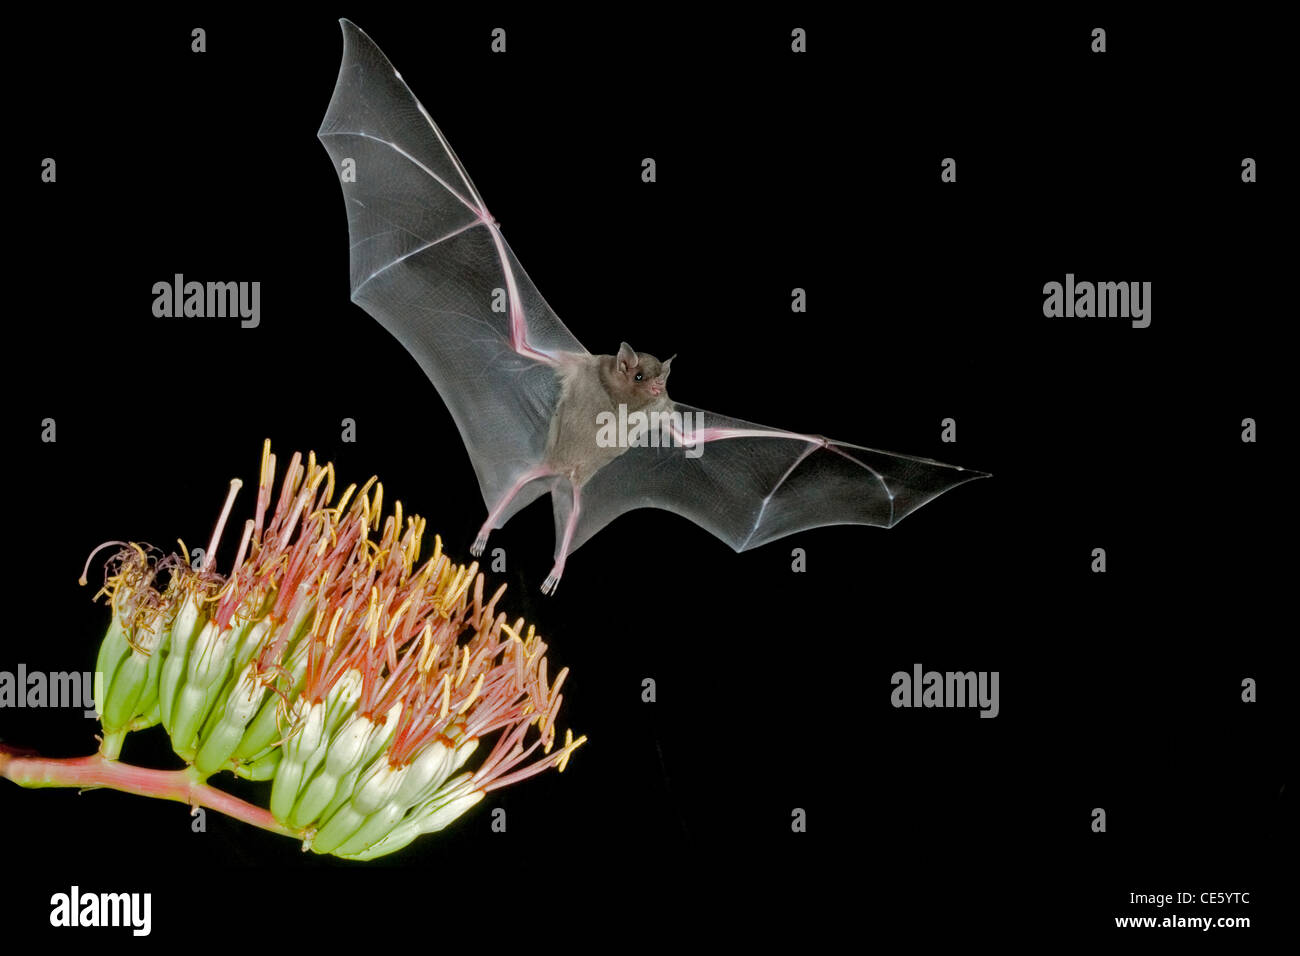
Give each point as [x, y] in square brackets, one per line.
[592, 386]
[593, 389]
[532, 404]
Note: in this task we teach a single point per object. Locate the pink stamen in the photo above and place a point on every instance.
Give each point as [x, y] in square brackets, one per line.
[210, 556]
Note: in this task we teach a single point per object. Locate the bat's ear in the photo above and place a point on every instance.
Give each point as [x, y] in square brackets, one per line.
[665, 369]
[627, 357]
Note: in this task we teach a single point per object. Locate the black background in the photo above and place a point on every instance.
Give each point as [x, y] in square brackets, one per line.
[1118, 690]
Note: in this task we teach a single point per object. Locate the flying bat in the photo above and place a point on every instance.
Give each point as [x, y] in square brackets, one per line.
[539, 413]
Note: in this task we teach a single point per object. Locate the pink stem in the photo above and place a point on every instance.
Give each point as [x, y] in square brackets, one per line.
[183, 786]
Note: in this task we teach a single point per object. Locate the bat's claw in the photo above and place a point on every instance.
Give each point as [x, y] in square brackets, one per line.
[552, 581]
[479, 545]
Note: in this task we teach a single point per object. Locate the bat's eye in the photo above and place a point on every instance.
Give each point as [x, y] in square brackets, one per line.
[639, 376]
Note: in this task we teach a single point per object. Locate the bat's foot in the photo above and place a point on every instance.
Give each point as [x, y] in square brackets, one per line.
[480, 544]
[552, 580]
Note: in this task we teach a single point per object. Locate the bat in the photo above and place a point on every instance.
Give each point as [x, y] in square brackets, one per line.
[538, 413]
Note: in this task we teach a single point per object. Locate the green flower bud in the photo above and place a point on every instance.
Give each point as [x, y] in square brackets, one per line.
[112, 651]
[377, 786]
[132, 678]
[300, 748]
[380, 739]
[189, 621]
[209, 663]
[440, 810]
[237, 710]
[346, 749]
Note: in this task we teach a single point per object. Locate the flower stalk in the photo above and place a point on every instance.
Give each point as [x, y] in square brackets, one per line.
[184, 786]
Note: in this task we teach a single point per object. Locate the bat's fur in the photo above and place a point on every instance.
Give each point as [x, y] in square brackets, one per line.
[594, 384]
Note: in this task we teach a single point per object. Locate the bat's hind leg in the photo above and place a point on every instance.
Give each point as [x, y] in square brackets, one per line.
[565, 537]
[480, 543]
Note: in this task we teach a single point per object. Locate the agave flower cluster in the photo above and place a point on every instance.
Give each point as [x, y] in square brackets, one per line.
[331, 662]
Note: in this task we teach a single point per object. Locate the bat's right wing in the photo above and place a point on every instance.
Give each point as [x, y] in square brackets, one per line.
[750, 484]
[430, 264]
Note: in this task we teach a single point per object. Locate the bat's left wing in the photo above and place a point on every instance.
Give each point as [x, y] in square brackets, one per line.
[431, 265]
[749, 484]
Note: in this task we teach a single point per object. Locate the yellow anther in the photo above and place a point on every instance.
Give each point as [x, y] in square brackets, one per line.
[316, 476]
[347, 496]
[263, 476]
[316, 622]
[329, 485]
[559, 682]
[428, 650]
[329, 638]
[371, 611]
[464, 666]
[445, 602]
[379, 503]
[426, 574]
[417, 539]
[392, 625]
[478, 686]
[366, 487]
[570, 745]
[532, 643]
[446, 696]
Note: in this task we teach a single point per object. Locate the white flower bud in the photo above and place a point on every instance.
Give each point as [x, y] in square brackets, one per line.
[427, 771]
[348, 744]
[377, 786]
[450, 803]
[244, 697]
[304, 743]
[209, 655]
